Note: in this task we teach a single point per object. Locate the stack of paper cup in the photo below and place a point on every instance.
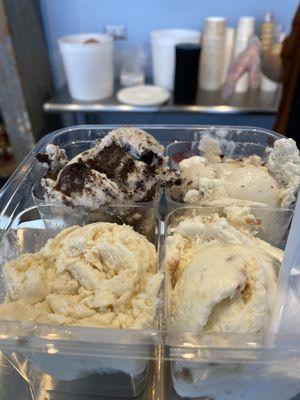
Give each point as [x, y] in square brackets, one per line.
[245, 28]
[275, 49]
[267, 32]
[88, 64]
[163, 44]
[212, 54]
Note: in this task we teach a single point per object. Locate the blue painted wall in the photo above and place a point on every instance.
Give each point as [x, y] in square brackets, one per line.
[62, 17]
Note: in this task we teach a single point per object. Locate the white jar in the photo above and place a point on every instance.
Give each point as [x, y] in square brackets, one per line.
[88, 64]
[163, 44]
[212, 53]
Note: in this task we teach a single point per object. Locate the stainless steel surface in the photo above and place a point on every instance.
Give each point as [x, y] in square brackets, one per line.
[252, 102]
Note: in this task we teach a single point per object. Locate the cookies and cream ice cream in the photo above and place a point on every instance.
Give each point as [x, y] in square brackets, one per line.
[222, 277]
[102, 275]
[126, 165]
[215, 180]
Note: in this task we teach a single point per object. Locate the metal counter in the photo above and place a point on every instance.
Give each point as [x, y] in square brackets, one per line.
[251, 102]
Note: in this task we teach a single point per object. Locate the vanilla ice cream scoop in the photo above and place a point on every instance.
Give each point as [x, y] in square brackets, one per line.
[253, 184]
[102, 274]
[222, 278]
[220, 181]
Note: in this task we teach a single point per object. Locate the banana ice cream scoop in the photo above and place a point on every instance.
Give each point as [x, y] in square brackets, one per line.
[220, 181]
[126, 165]
[222, 278]
[102, 275]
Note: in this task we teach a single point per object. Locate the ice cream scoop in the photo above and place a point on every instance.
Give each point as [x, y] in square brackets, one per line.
[222, 278]
[102, 275]
[253, 184]
[251, 180]
[126, 165]
[222, 282]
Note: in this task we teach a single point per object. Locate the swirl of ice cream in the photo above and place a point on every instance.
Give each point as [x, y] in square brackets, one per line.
[126, 165]
[102, 274]
[219, 181]
[222, 277]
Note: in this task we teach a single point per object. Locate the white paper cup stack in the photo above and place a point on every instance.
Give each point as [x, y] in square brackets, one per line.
[212, 54]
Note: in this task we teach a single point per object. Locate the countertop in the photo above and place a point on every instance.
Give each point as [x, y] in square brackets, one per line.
[251, 102]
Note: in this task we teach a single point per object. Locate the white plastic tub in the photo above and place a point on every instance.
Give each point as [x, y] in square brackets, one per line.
[88, 64]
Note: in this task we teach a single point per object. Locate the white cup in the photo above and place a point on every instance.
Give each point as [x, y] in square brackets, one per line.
[246, 26]
[88, 64]
[163, 44]
[212, 54]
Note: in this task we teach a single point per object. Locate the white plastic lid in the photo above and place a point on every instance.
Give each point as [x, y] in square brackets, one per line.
[84, 41]
[215, 19]
[174, 36]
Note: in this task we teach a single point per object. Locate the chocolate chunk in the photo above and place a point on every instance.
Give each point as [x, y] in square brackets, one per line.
[73, 179]
[52, 174]
[149, 195]
[150, 171]
[112, 161]
[43, 158]
[175, 182]
[148, 157]
[159, 161]
[140, 185]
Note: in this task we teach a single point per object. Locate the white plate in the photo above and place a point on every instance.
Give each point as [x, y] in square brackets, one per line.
[143, 95]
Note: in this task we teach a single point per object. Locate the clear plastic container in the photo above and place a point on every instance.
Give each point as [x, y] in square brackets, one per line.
[14, 197]
[138, 362]
[75, 359]
[232, 366]
[234, 142]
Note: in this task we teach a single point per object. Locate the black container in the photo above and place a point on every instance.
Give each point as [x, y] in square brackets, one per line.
[186, 73]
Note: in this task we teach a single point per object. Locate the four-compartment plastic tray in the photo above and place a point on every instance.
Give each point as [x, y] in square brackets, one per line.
[151, 364]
